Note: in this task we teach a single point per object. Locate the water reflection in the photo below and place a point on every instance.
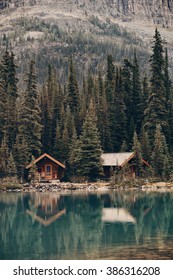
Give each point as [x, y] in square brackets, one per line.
[45, 209]
[96, 226]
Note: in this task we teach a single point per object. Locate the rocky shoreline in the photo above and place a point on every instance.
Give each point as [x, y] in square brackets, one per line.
[99, 186]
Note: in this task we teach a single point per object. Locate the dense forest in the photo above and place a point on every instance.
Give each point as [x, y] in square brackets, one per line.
[122, 109]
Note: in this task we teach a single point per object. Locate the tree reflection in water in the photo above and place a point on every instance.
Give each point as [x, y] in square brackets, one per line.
[115, 225]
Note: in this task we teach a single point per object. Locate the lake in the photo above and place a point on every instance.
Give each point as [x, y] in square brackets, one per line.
[108, 225]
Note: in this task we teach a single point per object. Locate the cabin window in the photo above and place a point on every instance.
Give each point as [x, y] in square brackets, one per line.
[48, 169]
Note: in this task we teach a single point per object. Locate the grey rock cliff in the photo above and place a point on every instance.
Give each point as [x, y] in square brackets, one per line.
[155, 11]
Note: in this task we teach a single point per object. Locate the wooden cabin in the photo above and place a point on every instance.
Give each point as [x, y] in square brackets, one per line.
[115, 161]
[48, 168]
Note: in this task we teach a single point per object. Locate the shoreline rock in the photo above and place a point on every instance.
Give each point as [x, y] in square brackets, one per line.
[98, 186]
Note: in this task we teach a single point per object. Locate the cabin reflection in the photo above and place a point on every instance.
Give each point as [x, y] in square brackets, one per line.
[120, 215]
[44, 208]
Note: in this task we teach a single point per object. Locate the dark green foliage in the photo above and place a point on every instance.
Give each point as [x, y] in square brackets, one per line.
[22, 155]
[4, 155]
[103, 116]
[156, 111]
[119, 117]
[72, 89]
[59, 119]
[160, 155]
[11, 166]
[138, 156]
[30, 115]
[2, 102]
[88, 152]
[169, 101]
[8, 96]
[145, 145]
[128, 98]
[137, 97]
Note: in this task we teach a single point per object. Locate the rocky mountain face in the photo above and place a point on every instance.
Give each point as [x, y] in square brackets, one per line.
[156, 11]
[90, 29]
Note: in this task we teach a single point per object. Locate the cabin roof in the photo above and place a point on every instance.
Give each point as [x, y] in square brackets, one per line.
[118, 159]
[47, 156]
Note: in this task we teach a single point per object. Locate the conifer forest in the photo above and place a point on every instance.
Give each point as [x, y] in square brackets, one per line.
[121, 108]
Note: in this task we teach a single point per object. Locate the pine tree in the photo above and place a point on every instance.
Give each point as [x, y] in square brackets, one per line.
[88, 154]
[72, 88]
[145, 145]
[160, 155]
[58, 144]
[22, 156]
[2, 103]
[4, 155]
[110, 96]
[120, 121]
[11, 166]
[46, 118]
[138, 155]
[33, 170]
[73, 153]
[9, 94]
[30, 115]
[169, 101]
[137, 98]
[103, 117]
[156, 112]
[127, 92]
[145, 93]
[57, 103]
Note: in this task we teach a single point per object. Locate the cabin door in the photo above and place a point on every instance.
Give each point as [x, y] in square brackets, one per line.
[48, 172]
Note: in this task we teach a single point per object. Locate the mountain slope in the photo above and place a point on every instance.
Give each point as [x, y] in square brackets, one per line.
[87, 29]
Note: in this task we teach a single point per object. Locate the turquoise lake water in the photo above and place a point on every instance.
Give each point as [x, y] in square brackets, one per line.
[109, 225]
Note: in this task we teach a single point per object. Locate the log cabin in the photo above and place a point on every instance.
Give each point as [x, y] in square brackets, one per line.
[116, 161]
[48, 168]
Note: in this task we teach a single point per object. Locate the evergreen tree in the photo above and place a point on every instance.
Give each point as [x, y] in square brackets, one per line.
[137, 98]
[4, 155]
[127, 92]
[58, 144]
[46, 119]
[72, 88]
[88, 154]
[103, 117]
[57, 103]
[9, 94]
[30, 115]
[138, 155]
[145, 145]
[160, 155]
[32, 171]
[22, 156]
[2, 102]
[145, 93]
[169, 101]
[120, 121]
[156, 112]
[73, 153]
[11, 166]
[110, 97]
